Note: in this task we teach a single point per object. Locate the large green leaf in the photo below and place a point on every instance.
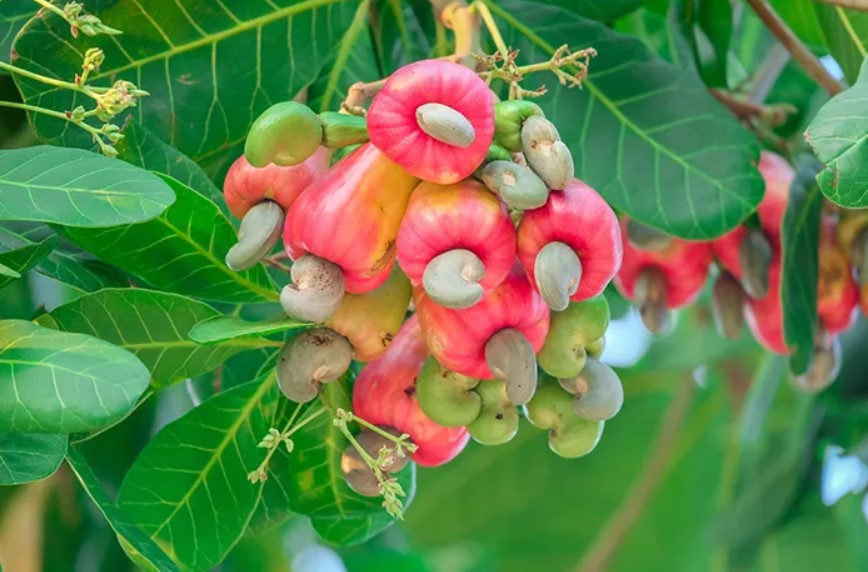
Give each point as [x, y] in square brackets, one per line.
[606, 11]
[81, 271]
[398, 35]
[846, 34]
[77, 188]
[355, 60]
[800, 16]
[188, 489]
[224, 328]
[153, 326]
[26, 457]
[181, 251]
[20, 255]
[688, 168]
[148, 555]
[13, 15]
[144, 149]
[210, 67]
[799, 243]
[839, 137]
[59, 382]
[314, 483]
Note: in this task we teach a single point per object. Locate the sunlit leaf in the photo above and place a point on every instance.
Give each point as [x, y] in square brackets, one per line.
[59, 382]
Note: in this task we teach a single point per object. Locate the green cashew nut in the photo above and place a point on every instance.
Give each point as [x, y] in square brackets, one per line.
[515, 184]
[508, 118]
[570, 436]
[447, 397]
[342, 130]
[497, 422]
[599, 393]
[573, 334]
[285, 134]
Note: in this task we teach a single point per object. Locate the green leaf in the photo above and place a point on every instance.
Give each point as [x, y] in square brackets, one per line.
[13, 15]
[799, 244]
[846, 34]
[315, 485]
[153, 326]
[144, 149]
[181, 251]
[650, 158]
[211, 68]
[26, 457]
[355, 60]
[121, 522]
[221, 329]
[594, 9]
[839, 137]
[398, 35]
[58, 382]
[81, 271]
[188, 489]
[19, 255]
[77, 188]
[800, 16]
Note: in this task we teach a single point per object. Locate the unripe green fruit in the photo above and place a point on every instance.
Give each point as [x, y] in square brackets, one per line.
[286, 134]
[447, 397]
[570, 436]
[573, 334]
[497, 422]
[509, 116]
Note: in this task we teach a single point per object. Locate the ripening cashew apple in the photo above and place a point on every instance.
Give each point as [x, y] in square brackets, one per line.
[837, 292]
[551, 408]
[341, 232]
[435, 119]
[497, 337]
[371, 320]
[456, 241]
[260, 197]
[753, 256]
[570, 247]
[385, 395]
[662, 280]
[574, 334]
[853, 240]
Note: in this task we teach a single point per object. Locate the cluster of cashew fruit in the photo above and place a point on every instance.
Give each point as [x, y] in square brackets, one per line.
[450, 250]
[661, 273]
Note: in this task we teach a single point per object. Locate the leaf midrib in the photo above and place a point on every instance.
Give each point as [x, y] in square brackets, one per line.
[228, 438]
[606, 102]
[222, 35]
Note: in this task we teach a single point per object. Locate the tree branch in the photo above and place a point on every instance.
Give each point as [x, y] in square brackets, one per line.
[855, 4]
[797, 49]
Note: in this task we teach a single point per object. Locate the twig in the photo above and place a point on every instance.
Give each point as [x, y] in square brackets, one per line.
[746, 110]
[797, 49]
[855, 4]
[653, 471]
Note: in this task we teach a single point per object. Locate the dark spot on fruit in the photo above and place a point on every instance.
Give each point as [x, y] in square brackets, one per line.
[382, 262]
[410, 390]
[499, 416]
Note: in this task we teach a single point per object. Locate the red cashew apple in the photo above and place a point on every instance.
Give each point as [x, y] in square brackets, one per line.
[385, 394]
[341, 232]
[662, 280]
[457, 241]
[246, 186]
[837, 292]
[435, 119]
[497, 337]
[570, 247]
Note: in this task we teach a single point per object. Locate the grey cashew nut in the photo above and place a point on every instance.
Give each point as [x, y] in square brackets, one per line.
[452, 279]
[516, 185]
[313, 357]
[510, 357]
[316, 291]
[557, 270]
[546, 154]
[259, 232]
[445, 124]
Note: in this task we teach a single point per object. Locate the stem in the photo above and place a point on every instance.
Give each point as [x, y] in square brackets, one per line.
[34, 109]
[855, 4]
[307, 420]
[482, 9]
[87, 90]
[797, 49]
[396, 440]
[51, 8]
